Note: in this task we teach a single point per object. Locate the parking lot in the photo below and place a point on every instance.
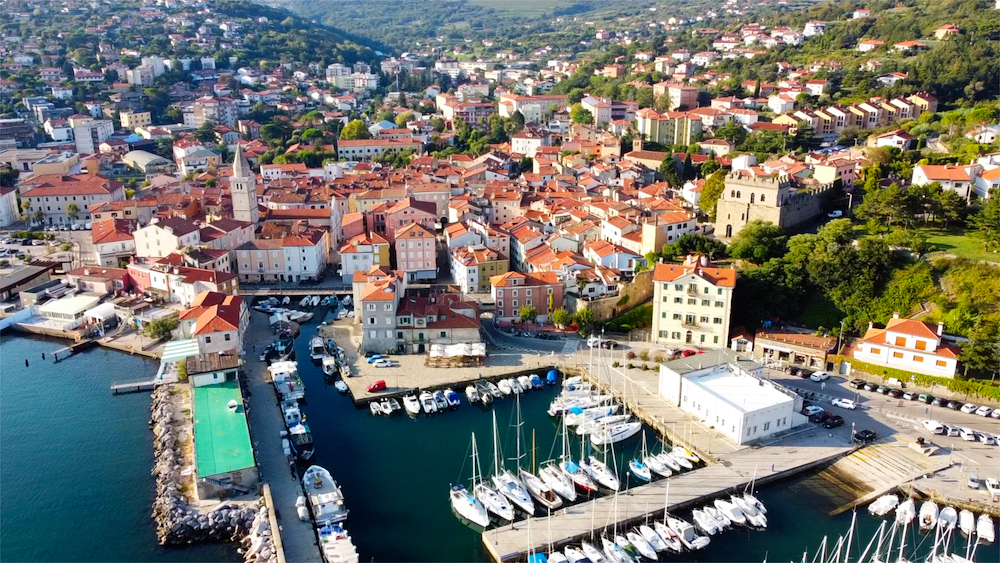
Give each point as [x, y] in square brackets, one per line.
[81, 253]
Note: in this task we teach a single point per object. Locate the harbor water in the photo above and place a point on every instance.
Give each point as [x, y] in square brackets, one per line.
[76, 462]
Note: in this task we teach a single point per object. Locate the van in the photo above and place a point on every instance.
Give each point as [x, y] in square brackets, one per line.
[892, 381]
[933, 426]
[925, 398]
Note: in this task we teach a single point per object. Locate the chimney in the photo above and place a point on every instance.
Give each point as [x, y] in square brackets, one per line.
[940, 328]
[871, 326]
[895, 314]
[704, 261]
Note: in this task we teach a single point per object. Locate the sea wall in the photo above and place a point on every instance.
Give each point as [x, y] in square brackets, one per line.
[177, 522]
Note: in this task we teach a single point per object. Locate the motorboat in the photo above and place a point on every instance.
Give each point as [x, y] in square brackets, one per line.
[387, 406]
[883, 505]
[324, 496]
[513, 489]
[453, 399]
[428, 403]
[731, 512]
[705, 523]
[639, 542]
[906, 512]
[439, 401]
[685, 453]
[631, 553]
[468, 507]
[753, 517]
[336, 545]
[580, 479]
[592, 553]
[472, 394]
[341, 314]
[494, 390]
[947, 519]
[669, 537]
[291, 412]
[330, 366]
[301, 441]
[485, 397]
[284, 347]
[300, 317]
[561, 405]
[347, 301]
[683, 462]
[666, 459]
[505, 387]
[285, 300]
[984, 529]
[515, 386]
[613, 434]
[557, 481]
[557, 557]
[305, 301]
[317, 348]
[287, 383]
[315, 300]
[536, 381]
[539, 490]
[640, 470]
[525, 382]
[687, 534]
[576, 415]
[754, 502]
[339, 385]
[411, 404]
[718, 515]
[599, 472]
[493, 501]
[589, 426]
[575, 555]
[652, 538]
[928, 515]
[657, 466]
[966, 522]
[345, 370]
[375, 407]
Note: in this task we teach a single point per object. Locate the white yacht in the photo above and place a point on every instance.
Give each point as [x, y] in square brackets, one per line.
[557, 481]
[511, 487]
[600, 473]
[615, 433]
[287, 384]
[325, 497]
[317, 348]
[928, 515]
[411, 404]
[686, 533]
[468, 507]
[540, 490]
[427, 402]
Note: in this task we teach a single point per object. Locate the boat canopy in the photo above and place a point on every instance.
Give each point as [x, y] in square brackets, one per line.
[176, 350]
[455, 350]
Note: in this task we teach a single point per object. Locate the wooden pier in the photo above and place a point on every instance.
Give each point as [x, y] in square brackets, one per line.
[133, 386]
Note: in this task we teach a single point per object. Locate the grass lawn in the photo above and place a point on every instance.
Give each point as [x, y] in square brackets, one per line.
[957, 242]
[820, 312]
[522, 7]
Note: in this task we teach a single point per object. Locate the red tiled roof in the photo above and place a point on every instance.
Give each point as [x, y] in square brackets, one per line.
[715, 276]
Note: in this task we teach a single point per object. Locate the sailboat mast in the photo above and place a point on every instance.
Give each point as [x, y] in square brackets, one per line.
[473, 461]
[533, 468]
[496, 447]
[850, 533]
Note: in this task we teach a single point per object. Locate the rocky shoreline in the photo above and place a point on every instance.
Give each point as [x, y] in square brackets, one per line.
[178, 523]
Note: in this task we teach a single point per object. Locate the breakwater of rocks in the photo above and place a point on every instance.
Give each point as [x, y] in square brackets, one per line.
[177, 522]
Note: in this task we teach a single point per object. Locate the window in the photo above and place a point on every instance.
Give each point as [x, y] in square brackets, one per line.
[706, 303]
[692, 301]
[679, 287]
[675, 335]
[715, 339]
[663, 315]
[703, 319]
[388, 307]
[677, 316]
[528, 293]
[717, 320]
[767, 426]
[370, 307]
[900, 341]
[941, 363]
[373, 333]
[876, 351]
[897, 355]
[679, 300]
[514, 304]
[720, 291]
[720, 304]
[228, 337]
[921, 345]
[444, 334]
[702, 338]
[663, 333]
[664, 298]
[919, 359]
[706, 290]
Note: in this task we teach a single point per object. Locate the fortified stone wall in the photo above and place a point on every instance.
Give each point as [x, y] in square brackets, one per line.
[639, 290]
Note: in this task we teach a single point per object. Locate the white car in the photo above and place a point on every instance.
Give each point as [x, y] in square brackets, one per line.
[995, 413]
[836, 214]
[951, 431]
[811, 410]
[844, 403]
[986, 439]
[382, 363]
[969, 408]
[984, 411]
[934, 427]
[967, 435]
[819, 376]
[593, 341]
[992, 486]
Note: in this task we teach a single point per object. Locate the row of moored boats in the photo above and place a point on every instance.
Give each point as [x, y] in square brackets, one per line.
[930, 517]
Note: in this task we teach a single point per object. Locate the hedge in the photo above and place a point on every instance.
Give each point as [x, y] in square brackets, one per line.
[973, 387]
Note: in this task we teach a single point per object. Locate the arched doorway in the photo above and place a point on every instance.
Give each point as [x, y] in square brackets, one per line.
[729, 231]
[420, 348]
[688, 337]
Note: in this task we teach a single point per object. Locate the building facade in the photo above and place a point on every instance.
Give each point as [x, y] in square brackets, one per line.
[692, 303]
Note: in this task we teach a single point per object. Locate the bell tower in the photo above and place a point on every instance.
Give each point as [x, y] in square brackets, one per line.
[243, 189]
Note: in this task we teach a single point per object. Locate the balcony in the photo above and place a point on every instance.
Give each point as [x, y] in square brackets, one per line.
[689, 324]
[692, 291]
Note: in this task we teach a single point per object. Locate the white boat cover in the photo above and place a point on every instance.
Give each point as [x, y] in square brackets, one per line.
[456, 350]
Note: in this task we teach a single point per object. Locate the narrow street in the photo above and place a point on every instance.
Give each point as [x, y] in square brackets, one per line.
[266, 424]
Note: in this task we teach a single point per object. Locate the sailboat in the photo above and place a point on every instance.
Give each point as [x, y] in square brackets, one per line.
[592, 553]
[506, 482]
[947, 519]
[536, 487]
[704, 522]
[551, 473]
[600, 473]
[731, 512]
[490, 498]
[653, 538]
[638, 465]
[465, 503]
[641, 545]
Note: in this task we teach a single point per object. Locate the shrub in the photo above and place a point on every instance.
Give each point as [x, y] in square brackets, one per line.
[630, 355]
[616, 364]
[640, 317]
[182, 370]
[621, 302]
[658, 359]
[629, 365]
[160, 328]
[644, 355]
[625, 328]
[4, 263]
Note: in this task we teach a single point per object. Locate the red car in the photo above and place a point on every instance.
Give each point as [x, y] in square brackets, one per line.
[377, 386]
[687, 353]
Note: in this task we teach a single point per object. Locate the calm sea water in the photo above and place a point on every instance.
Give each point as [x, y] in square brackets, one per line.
[75, 461]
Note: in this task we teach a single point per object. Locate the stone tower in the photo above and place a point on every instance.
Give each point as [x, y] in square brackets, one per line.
[243, 189]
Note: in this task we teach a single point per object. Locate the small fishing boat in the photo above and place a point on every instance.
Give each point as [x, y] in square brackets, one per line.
[345, 370]
[717, 515]
[705, 523]
[494, 390]
[557, 557]
[966, 522]
[539, 490]
[685, 453]
[601, 474]
[883, 505]
[669, 537]
[439, 401]
[305, 301]
[472, 394]
[657, 466]
[301, 441]
[731, 512]
[641, 545]
[683, 462]
[411, 404]
[324, 495]
[928, 515]
[906, 512]
[286, 300]
[615, 433]
[428, 403]
[755, 518]
[315, 300]
[666, 459]
[337, 546]
[753, 501]
[453, 399]
[504, 386]
[468, 507]
[284, 347]
[339, 385]
[687, 534]
[515, 386]
[525, 382]
[486, 398]
[580, 479]
[329, 366]
[654, 539]
[375, 407]
[536, 382]
[984, 529]
[947, 519]
[386, 407]
[287, 384]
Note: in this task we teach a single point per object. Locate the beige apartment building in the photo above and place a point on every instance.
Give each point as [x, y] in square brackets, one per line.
[692, 303]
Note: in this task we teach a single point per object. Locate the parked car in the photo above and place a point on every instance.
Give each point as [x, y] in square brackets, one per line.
[819, 376]
[992, 486]
[833, 422]
[805, 373]
[954, 405]
[820, 417]
[925, 398]
[792, 370]
[871, 386]
[951, 431]
[934, 427]
[835, 214]
[967, 434]
[973, 480]
[377, 386]
[688, 353]
[910, 396]
[609, 344]
[382, 363]
[883, 389]
[995, 413]
[895, 393]
[37, 242]
[939, 402]
[985, 438]
[857, 383]
[969, 408]
[811, 410]
[865, 436]
[374, 358]
[984, 411]
[844, 403]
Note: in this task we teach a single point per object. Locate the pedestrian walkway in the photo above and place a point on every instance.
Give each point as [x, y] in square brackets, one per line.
[266, 424]
[570, 346]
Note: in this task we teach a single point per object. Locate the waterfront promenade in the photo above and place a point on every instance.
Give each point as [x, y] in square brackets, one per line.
[266, 423]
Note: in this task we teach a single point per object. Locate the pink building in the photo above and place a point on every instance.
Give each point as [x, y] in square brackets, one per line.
[416, 252]
[514, 290]
[407, 211]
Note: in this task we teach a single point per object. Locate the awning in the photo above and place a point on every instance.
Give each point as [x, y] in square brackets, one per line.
[179, 349]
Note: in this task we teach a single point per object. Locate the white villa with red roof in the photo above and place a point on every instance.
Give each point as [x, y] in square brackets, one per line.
[218, 321]
[909, 345]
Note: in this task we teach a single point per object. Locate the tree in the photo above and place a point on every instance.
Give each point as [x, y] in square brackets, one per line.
[584, 320]
[710, 166]
[160, 328]
[562, 318]
[8, 176]
[805, 137]
[404, 118]
[354, 130]
[580, 114]
[205, 133]
[696, 244]
[986, 223]
[711, 191]
[73, 211]
[758, 242]
[517, 118]
[528, 313]
[669, 170]
[982, 352]
[733, 132]
[438, 124]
